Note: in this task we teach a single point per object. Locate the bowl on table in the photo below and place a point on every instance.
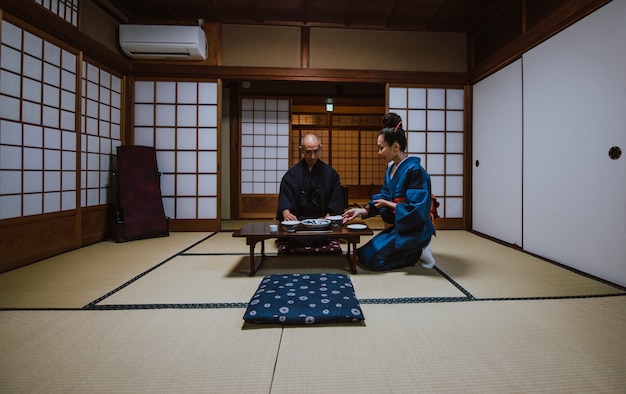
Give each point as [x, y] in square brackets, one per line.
[290, 225]
[335, 220]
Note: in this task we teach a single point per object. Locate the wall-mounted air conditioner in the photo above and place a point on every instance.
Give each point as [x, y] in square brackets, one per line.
[163, 41]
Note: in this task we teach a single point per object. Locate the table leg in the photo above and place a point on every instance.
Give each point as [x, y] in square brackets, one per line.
[352, 260]
[254, 262]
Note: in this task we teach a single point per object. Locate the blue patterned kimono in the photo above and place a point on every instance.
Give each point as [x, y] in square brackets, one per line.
[401, 245]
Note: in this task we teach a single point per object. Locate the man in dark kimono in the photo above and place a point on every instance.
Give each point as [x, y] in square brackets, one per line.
[311, 189]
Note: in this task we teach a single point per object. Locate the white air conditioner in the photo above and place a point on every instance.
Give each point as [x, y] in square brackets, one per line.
[163, 41]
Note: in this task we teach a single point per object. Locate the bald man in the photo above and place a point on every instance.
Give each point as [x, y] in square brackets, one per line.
[311, 189]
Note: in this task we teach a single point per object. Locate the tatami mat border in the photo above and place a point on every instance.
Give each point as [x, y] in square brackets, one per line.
[146, 272]
[94, 305]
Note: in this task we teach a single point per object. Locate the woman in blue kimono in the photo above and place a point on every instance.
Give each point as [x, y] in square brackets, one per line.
[405, 202]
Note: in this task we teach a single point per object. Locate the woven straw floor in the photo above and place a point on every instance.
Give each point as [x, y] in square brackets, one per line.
[165, 315]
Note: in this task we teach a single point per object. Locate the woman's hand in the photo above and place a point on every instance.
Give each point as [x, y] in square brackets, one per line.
[353, 213]
[385, 203]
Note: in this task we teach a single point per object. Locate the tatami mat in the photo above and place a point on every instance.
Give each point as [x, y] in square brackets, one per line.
[192, 279]
[490, 270]
[138, 351]
[166, 315]
[73, 279]
[564, 346]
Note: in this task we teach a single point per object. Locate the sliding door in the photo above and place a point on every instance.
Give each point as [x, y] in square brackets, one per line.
[497, 155]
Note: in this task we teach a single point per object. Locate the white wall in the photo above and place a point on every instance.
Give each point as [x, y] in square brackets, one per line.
[574, 112]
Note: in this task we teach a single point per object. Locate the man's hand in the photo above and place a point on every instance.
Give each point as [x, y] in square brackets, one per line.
[287, 215]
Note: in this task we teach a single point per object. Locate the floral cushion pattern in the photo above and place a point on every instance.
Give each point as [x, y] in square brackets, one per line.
[304, 299]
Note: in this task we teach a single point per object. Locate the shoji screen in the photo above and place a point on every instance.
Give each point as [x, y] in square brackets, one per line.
[264, 154]
[37, 125]
[100, 123]
[65, 9]
[434, 121]
[180, 120]
[264, 145]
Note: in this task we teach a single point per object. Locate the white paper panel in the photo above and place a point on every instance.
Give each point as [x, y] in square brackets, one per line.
[186, 162]
[10, 206]
[436, 98]
[454, 99]
[165, 161]
[10, 83]
[52, 202]
[435, 164]
[186, 208]
[33, 159]
[144, 115]
[186, 139]
[454, 142]
[454, 164]
[436, 120]
[10, 181]
[454, 120]
[207, 116]
[437, 184]
[435, 141]
[187, 116]
[417, 98]
[185, 185]
[453, 207]
[11, 133]
[168, 183]
[33, 204]
[207, 185]
[165, 138]
[207, 162]
[397, 98]
[9, 108]
[207, 93]
[207, 208]
[165, 115]
[144, 136]
[187, 93]
[10, 59]
[165, 92]
[416, 142]
[32, 45]
[415, 120]
[68, 200]
[207, 139]
[11, 35]
[33, 181]
[144, 92]
[51, 181]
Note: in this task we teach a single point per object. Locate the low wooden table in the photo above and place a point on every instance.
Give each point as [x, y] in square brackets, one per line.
[256, 232]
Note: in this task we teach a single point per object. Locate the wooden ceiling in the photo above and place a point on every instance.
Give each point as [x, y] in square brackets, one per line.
[412, 15]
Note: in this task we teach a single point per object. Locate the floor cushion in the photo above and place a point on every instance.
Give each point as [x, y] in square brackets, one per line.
[304, 299]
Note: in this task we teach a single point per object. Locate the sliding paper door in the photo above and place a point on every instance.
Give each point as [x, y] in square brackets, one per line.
[497, 155]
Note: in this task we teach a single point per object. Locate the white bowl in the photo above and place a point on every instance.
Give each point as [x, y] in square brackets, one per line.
[335, 220]
[290, 225]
